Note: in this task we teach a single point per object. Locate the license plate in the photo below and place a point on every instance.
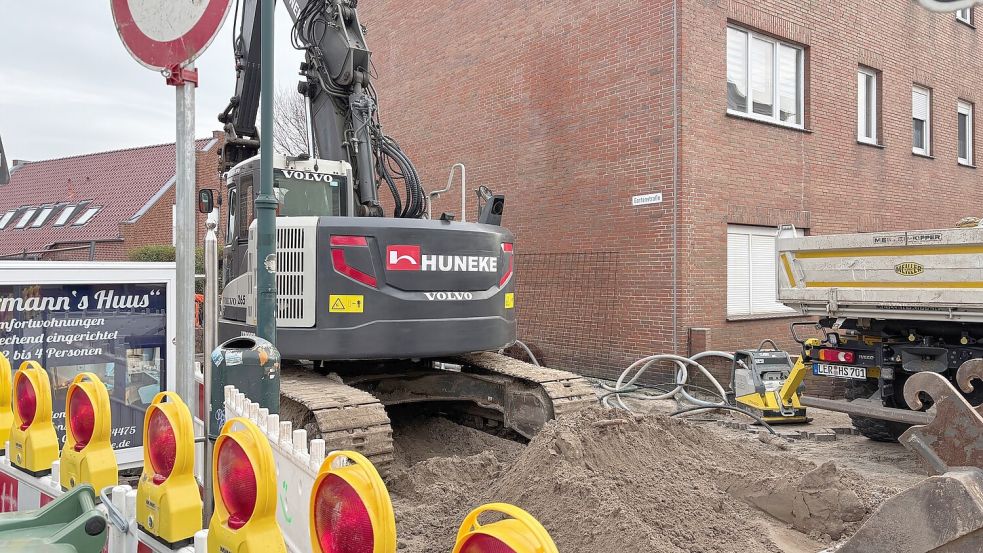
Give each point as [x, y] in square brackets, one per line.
[839, 371]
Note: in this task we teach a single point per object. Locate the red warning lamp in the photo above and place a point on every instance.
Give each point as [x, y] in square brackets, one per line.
[519, 532]
[82, 420]
[27, 402]
[33, 442]
[245, 492]
[88, 456]
[237, 483]
[351, 511]
[483, 543]
[162, 446]
[6, 413]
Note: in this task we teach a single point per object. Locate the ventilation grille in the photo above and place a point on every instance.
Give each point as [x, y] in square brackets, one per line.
[290, 275]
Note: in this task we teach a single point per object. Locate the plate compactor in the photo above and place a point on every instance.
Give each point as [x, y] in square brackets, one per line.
[767, 383]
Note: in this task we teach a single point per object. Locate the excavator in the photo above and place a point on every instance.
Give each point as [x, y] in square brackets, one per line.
[372, 310]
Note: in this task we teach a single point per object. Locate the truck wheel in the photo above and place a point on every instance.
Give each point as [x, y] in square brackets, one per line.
[874, 429]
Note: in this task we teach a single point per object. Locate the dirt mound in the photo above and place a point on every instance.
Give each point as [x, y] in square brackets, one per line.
[599, 481]
[823, 501]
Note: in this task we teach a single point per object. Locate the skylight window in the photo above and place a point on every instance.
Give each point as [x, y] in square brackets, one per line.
[43, 216]
[5, 219]
[65, 214]
[89, 214]
[26, 217]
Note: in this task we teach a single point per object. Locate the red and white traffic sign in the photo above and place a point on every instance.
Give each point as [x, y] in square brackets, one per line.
[162, 34]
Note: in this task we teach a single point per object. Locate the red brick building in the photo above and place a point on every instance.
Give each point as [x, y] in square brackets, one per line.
[97, 206]
[838, 116]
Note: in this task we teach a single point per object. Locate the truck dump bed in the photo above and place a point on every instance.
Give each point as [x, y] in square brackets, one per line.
[924, 275]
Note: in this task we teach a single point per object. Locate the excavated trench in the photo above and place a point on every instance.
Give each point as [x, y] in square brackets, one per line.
[602, 480]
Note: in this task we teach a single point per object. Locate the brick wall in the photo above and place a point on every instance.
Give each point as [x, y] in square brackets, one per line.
[566, 108]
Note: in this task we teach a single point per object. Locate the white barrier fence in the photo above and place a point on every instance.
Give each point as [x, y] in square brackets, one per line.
[297, 468]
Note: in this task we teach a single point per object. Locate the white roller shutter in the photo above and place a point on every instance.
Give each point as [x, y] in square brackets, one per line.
[752, 287]
[738, 274]
[919, 104]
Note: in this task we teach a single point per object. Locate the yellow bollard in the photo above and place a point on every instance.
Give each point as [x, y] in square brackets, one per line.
[33, 441]
[169, 505]
[88, 456]
[350, 507]
[244, 477]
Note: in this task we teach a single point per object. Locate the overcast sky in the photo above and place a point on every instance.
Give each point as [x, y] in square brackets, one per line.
[68, 86]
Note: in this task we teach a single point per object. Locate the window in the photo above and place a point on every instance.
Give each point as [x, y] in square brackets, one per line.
[965, 15]
[66, 212]
[43, 216]
[965, 148]
[245, 215]
[764, 78]
[921, 110]
[26, 217]
[752, 287]
[867, 106]
[89, 214]
[5, 219]
[233, 207]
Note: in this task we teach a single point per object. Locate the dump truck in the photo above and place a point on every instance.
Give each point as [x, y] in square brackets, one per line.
[890, 305]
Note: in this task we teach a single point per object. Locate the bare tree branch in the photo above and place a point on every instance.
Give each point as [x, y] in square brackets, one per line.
[290, 123]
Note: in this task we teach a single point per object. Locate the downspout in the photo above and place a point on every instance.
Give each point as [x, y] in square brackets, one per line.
[675, 175]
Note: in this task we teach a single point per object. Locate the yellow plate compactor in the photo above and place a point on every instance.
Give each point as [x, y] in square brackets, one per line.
[767, 382]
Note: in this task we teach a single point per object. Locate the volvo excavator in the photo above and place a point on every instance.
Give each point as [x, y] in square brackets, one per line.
[374, 309]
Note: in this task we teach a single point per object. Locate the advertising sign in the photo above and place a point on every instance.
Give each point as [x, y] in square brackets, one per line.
[111, 319]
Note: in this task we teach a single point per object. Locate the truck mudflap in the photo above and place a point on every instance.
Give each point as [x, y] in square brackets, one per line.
[945, 511]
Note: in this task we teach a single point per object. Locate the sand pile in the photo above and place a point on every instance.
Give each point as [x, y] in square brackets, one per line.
[604, 481]
[823, 501]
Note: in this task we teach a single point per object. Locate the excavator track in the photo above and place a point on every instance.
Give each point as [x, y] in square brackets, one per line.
[348, 412]
[346, 418]
[568, 392]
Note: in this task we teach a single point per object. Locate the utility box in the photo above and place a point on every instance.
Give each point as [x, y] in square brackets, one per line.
[252, 365]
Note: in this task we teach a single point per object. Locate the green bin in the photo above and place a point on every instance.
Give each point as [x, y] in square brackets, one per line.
[252, 365]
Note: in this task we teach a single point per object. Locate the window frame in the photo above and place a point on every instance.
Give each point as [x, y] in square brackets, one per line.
[968, 19]
[927, 150]
[43, 215]
[230, 216]
[874, 75]
[751, 231]
[26, 217]
[65, 214]
[87, 216]
[966, 108]
[775, 119]
[6, 218]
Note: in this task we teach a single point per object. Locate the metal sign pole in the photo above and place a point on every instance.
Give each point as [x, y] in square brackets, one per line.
[266, 202]
[185, 237]
[211, 332]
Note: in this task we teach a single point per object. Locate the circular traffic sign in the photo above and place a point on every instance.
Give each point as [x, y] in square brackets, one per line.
[947, 5]
[161, 34]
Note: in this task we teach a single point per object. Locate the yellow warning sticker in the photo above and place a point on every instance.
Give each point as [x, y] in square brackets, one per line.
[346, 304]
[509, 300]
